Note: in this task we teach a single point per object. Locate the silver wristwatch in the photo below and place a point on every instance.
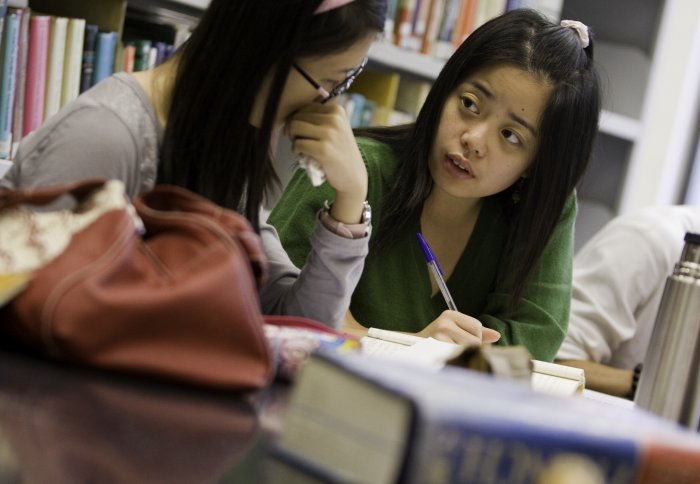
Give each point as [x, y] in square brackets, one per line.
[366, 217]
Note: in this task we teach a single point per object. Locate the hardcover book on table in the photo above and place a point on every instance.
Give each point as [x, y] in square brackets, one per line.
[360, 419]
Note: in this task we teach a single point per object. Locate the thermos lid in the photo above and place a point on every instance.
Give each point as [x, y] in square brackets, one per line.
[691, 237]
[691, 252]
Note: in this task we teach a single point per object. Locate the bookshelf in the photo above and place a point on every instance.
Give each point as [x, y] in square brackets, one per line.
[164, 23]
[649, 55]
[649, 63]
[108, 14]
[650, 67]
[636, 148]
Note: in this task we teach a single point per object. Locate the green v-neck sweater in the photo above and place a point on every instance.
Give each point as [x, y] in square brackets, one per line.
[394, 291]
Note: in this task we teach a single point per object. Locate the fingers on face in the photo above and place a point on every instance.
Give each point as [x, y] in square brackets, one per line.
[321, 114]
[303, 129]
[309, 147]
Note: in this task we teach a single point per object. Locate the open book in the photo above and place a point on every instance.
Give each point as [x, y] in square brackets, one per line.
[513, 361]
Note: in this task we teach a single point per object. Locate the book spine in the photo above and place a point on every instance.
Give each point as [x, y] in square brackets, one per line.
[104, 56]
[152, 58]
[161, 52]
[465, 22]
[3, 14]
[444, 46]
[88, 66]
[404, 21]
[389, 24]
[487, 10]
[20, 78]
[36, 73]
[142, 55]
[433, 24]
[419, 24]
[129, 57]
[10, 45]
[72, 66]
[54, 69]
[475, 452]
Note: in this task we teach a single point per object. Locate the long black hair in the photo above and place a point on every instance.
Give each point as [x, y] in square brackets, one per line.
[528, 41]
[209, 145]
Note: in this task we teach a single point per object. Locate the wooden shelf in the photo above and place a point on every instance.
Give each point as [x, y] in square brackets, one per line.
[620, 126]
[406, 61]
[194, 3]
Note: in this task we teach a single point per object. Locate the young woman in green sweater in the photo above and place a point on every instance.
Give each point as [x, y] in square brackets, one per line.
[487, 174]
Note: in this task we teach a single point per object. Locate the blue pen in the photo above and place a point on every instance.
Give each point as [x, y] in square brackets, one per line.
[437, 272]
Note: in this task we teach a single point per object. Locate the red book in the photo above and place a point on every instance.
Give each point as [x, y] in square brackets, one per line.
[129, 57]
[37, 58]
[465, 21]
[404, 21]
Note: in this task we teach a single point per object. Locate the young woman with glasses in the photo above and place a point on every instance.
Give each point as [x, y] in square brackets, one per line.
[487, 175]
[204, 120]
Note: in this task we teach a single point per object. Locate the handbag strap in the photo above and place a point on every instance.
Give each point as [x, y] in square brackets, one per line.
[170, 198]
[44, 195]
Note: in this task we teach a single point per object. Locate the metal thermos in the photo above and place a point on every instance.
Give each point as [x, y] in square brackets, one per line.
[669, 385]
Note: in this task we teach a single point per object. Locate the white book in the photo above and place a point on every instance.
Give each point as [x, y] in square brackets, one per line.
[73, 58]
[488, 9]
[544, 377]
[54, 71]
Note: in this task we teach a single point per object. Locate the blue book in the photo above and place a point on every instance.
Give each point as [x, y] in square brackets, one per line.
[358, 105]
[364, 419]
[10, 46]
[105, 50]
[89, 46]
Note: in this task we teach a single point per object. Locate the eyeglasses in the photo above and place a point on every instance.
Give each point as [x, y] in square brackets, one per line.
[337, 90]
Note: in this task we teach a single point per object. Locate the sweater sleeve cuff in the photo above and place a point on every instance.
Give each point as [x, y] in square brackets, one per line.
[349, 231]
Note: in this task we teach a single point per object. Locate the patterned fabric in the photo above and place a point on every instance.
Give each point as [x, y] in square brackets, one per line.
[29, 240]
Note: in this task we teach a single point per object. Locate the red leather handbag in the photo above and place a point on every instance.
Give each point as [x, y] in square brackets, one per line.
[176, 298]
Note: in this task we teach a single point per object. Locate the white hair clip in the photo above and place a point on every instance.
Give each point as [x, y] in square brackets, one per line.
[580, 28]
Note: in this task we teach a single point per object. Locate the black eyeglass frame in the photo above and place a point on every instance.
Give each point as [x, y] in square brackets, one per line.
[342, 87]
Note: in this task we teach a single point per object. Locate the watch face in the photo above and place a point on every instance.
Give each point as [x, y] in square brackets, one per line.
[366, 213]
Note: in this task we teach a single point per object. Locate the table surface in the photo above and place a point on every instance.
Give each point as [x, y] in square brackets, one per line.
[65, 424]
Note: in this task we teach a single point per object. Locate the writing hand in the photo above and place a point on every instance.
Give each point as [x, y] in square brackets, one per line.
[455, 327]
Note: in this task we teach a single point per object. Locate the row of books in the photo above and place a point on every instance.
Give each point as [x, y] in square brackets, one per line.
[46, 61]
[142, 54]
[437, 27]
[383, 98]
